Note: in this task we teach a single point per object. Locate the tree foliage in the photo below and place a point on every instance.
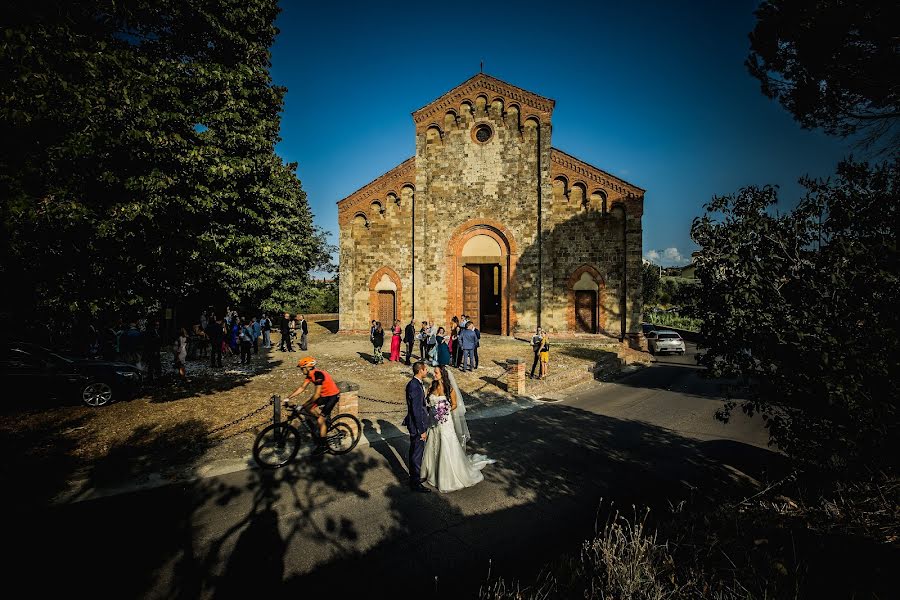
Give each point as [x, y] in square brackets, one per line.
[649, 283]
[804, 305]
[139, 165]
[831, 63]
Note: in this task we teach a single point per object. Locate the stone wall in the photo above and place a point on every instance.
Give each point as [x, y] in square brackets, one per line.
[507, 183]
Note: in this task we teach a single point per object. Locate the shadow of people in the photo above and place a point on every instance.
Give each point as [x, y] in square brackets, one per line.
[367, 357]
[257, 561]
[388, 441]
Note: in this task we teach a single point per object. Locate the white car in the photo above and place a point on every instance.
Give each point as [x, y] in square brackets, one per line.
[664, 340]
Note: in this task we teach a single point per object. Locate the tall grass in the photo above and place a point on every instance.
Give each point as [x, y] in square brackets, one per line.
[623, 561]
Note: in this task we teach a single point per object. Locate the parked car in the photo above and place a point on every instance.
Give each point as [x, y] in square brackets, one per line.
[647, 328]
[664, 340]
[29, 370]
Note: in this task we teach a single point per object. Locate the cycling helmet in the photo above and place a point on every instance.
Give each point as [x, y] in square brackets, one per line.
[306, 361]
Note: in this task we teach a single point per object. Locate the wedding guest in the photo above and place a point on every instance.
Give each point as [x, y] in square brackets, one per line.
[233, 334]
[423, 341]
[395, 341]
[430, 340]
[468, 340]
[180, 352]
[453, 344]
[152, 348]
[545, 355]
[215, 333]
[536, 348]
[245, 335]
[266, 325]
[378, 343]
[443, 351]
[304, 332]
[409, 338]
[285, 329]
[255, 331]
[477, 341]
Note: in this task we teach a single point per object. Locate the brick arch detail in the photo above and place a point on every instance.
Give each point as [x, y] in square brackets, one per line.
[373, 295]
[509, 250]
[473, 227]
[601, 294]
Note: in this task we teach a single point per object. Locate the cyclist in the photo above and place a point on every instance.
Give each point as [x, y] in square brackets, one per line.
[324, 398]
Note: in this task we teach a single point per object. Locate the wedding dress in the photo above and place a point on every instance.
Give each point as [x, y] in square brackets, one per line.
[445, 464]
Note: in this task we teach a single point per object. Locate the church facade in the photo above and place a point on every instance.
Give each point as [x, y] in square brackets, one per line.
[488, 219]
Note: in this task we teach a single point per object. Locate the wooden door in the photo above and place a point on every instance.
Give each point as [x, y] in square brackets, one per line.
[385, 309]
[471, 279]
[586, 311]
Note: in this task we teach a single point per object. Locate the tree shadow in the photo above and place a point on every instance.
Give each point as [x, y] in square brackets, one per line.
[495, 381]
[604, 361]
[210, 380]
[671, 376]
[351, 520]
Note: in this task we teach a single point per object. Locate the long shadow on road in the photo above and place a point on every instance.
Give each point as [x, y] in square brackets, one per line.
[347, 522]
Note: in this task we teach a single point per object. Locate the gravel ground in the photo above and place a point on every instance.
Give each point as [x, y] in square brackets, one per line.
[216, 414]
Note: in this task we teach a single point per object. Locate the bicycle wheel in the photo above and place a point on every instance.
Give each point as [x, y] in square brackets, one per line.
[351, 422]
[340, 438]
[276, 445]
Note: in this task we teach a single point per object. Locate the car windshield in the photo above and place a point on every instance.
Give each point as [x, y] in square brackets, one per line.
[669, 336]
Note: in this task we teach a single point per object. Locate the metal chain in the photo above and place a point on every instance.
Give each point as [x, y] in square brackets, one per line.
[240, 419]
[241, 431]
[382, 401]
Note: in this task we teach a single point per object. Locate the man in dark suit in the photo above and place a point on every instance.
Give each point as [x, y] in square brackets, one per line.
[286, 334]
[416, 422]
[215, 333]
[467, 341]
[409, 338]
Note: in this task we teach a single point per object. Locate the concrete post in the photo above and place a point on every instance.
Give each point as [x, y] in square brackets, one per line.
[515, 376]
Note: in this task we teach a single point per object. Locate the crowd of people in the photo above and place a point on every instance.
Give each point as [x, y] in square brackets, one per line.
[142, 341]
[437, 347]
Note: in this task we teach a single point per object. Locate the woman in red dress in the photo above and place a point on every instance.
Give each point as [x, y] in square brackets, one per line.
[395, 341]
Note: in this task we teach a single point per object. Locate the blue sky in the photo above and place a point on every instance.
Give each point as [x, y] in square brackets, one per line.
[655, 93]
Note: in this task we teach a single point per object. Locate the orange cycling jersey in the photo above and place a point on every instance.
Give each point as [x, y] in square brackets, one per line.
[321, 378]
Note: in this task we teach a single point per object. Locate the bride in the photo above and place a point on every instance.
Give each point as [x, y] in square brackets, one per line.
[445, 464]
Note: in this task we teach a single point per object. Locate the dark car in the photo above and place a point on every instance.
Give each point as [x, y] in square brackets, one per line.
[29, 370]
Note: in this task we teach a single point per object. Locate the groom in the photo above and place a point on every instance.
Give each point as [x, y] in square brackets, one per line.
[416, 422]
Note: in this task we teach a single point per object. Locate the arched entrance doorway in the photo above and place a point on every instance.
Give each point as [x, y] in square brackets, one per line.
[585, 289]
[482, 259]
[384, 296]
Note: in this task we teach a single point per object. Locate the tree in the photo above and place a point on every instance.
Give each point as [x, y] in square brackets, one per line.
[650, 284]
[831, 63]
[803, 305]
[143, 166]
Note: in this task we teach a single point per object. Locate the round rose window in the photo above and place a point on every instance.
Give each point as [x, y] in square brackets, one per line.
[483, 133]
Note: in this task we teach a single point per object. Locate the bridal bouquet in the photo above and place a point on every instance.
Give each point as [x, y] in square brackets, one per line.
[441, 410]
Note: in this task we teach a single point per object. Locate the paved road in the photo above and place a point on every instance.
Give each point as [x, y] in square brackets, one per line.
[348, 524]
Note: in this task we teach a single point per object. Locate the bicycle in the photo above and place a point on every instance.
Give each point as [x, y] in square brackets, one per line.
[278, 444]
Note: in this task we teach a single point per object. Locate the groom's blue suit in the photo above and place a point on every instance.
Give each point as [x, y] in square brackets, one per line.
[416, 422]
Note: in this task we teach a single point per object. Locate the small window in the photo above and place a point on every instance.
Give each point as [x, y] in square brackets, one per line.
[482, 133]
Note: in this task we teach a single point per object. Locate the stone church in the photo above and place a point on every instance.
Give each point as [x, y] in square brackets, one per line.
[488, 219]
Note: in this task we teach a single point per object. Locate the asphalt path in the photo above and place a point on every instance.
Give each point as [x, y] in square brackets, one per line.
[350, 525]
